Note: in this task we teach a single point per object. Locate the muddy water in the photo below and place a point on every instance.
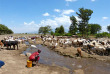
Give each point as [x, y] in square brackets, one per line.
[90, 66]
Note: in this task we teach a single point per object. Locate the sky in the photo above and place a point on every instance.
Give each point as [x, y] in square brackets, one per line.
[25, 16]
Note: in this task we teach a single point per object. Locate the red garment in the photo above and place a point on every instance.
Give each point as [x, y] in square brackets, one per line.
[32, 57]
[38, 58]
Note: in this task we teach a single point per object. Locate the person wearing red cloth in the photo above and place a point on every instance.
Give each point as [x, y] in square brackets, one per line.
[35, 56]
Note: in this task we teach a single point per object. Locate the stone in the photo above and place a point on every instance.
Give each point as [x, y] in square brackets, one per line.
[22, 54]
[78, 71]
[28, 54]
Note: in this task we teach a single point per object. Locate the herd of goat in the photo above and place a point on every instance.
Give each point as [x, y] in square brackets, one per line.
[99, 46]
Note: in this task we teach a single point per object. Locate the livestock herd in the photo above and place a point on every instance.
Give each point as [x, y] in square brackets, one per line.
[99, 46]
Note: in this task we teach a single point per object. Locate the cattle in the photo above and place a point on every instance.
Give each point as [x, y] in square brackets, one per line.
[33, 37]
[1, 44]
[10, 43]
[107, 51]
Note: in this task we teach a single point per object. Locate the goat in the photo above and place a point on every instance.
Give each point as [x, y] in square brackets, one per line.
[79, 52]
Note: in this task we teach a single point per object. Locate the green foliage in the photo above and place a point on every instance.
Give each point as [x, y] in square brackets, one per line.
[57, 30]
[104, 34]
[57, 34]
[5, 30]
[79, 35]
[84, 15]
[68, 34]
[44, 30]
[60, 30]
[108, 28]
[73, 26]
[52, 33]
[95, 28]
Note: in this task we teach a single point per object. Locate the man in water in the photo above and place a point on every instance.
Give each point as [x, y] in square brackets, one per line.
[1, 63]
[35, 57]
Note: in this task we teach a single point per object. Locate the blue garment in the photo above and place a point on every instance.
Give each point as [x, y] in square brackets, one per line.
[1, 63]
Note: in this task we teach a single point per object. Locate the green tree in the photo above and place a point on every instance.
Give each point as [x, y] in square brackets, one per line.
[57, 30]
[61, 31]
[95, 28]
[44, 30]
[84, 15]
[52, 33]
[5, 30]
[73, 26]
[41, 29]
[108, 28]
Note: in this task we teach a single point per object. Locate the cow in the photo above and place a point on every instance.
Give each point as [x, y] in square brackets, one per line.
[10, 43]
[1, 44]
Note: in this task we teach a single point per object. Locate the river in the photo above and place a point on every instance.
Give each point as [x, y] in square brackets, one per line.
[89, 65]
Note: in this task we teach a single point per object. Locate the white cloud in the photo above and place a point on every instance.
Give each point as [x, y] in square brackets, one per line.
[104, 28]
[26, 27]
[31, 23]
[77, 18]
[68, 11]
[70, 0]
[104, 18]
[55, 22]
[93, 0]
[57, 10]
[67, 4]
[46, 14]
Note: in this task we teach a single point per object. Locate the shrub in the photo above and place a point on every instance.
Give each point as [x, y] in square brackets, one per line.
[104, 34]
[57, 34]
[68, 34]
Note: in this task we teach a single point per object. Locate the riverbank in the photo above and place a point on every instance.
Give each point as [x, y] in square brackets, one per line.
[72, 52]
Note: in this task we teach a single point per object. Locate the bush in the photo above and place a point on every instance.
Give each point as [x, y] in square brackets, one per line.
[57, 34]
[104, 34]
[68, 34]
[79, 35]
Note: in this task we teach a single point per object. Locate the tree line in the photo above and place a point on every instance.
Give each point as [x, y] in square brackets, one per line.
[82, 27]
[5, 30]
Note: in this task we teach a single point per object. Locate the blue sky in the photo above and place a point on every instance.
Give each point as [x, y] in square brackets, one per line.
[28, 15]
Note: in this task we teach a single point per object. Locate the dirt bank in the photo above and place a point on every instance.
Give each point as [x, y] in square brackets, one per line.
[72, 51]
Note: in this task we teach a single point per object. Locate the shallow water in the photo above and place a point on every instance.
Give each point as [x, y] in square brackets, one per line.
[90, 66]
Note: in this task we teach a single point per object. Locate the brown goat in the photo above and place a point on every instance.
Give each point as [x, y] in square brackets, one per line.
[79, 51]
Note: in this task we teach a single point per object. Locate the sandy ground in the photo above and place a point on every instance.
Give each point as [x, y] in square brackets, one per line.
[16, 64]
